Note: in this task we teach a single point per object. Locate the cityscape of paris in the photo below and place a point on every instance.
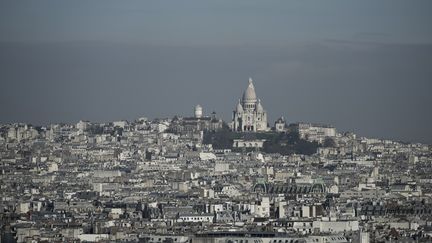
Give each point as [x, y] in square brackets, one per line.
[216, 121]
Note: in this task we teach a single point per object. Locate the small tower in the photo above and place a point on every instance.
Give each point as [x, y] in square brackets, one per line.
[280, 124]
[198, 111]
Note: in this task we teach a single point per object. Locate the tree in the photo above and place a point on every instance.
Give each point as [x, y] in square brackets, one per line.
[329, 142]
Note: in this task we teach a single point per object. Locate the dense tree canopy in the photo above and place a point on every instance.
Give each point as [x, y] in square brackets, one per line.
[283, 143]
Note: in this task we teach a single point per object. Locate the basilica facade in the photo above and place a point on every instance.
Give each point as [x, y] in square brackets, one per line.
[249, 115]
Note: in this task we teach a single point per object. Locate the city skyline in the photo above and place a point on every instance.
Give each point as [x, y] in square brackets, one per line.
[111, 61]
[197, 121]
[207, 112]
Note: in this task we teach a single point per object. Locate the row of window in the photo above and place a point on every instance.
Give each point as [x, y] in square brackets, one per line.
[159, 239]
[195, 218]
[286, 241]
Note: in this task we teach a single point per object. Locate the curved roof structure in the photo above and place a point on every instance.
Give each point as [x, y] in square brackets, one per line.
[259, 107]
[249, 95]
[239, 108]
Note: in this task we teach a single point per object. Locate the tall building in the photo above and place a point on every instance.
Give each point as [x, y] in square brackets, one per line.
[249, 115]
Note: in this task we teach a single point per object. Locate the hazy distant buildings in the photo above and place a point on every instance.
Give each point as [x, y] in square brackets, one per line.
[161, 181]
[21, 132]
[198, 122]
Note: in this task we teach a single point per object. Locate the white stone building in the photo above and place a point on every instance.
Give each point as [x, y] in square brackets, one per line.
[249, 115]
[314, 132]
[249, 143]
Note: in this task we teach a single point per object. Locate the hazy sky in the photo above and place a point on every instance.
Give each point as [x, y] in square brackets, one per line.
[362, 66]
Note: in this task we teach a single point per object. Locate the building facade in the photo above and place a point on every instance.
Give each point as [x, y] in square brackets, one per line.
[314, 132]
[249, 115]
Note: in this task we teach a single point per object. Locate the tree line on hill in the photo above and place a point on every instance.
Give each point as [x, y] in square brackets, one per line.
[282, 143]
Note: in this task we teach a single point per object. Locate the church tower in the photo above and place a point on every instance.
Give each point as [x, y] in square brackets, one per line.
[249, 115]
